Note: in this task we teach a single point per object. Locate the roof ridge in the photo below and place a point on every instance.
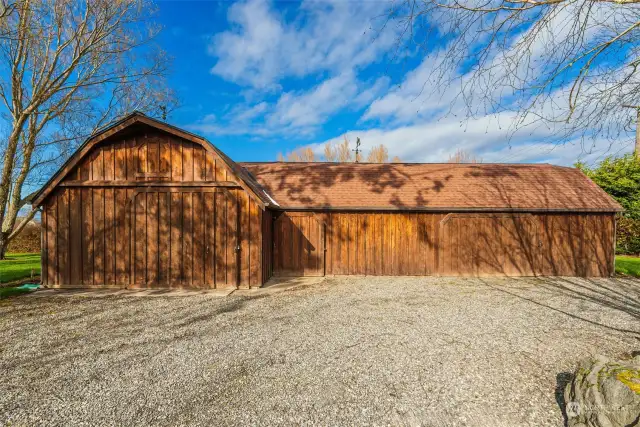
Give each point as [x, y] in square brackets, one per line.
[406, 164]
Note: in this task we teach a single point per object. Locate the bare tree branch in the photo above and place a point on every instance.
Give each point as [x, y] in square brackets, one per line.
[70, 67]
[567, 65]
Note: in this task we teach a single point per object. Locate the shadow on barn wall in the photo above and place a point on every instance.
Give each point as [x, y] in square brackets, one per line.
[472, 244]
[123, 236]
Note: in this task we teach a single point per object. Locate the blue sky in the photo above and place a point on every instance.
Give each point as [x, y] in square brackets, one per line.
[258, 77]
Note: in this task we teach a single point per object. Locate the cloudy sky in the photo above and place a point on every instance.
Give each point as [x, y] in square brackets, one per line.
[259, 77]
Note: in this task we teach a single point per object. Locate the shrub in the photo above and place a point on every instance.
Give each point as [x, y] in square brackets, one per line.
[28, 241]
[620, 178]
[628, 236]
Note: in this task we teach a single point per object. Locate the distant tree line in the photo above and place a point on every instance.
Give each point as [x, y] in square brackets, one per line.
[343, 153]
[338, 153]
[463, 156]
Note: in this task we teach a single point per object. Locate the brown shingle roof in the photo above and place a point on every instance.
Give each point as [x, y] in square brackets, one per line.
[523, 187]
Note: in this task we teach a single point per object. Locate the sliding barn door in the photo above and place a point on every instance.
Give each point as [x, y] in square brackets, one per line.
[489, 245]
[298, 245]
[185, 238]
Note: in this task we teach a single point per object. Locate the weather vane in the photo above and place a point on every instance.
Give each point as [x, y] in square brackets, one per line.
[357, 150]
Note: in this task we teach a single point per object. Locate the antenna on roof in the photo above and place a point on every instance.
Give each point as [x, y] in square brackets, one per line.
[357, 149]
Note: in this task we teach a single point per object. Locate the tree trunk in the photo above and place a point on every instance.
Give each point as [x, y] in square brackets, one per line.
[4, 242]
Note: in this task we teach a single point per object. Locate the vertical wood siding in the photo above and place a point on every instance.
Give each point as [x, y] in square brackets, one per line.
[150, 156]
[300, 245]
[144, 237]
[268, 245]
[157, 238]
[457, 244]
[381, 244]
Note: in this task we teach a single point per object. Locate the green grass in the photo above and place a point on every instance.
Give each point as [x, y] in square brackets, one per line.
[18, 266]
[12, 291]
[628, 265]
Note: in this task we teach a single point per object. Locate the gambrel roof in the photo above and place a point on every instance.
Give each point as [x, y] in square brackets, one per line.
[132, 119]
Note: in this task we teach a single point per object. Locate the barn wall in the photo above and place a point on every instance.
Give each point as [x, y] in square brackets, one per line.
[107, 225]
[527, 244]
[150, 155]
[299, 249]
[579, 245]
[267, 245]
[381, 243]
[367, 243]
[95, 237]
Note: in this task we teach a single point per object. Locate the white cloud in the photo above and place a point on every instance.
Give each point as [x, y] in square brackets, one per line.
[300, 112]
[516, 73]
[244, 115]
[418, 120]
[488, 137]
[261, 48]
[312, 107]
[417, 96]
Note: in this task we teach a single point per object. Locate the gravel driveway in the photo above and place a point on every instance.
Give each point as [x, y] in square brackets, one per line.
[379, 351]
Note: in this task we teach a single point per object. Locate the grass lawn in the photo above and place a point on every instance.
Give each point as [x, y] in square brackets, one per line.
[12, 291]
[18, 266]
[628, 265]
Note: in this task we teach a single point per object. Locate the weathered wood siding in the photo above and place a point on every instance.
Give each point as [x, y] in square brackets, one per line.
[527, 245]
[577, 245]
[467, 244]
[268, 245]
[108, 224]
[299, 244]
[381, 244]
[489, 244]
[150, 155]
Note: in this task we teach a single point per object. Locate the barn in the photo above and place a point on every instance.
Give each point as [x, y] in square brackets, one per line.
[143, 204]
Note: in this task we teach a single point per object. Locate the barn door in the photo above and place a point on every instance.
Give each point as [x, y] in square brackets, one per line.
[298, 245]
[488, 245]
[185, 238]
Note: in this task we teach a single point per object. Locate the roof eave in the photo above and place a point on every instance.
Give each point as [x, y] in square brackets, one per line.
[447, 209]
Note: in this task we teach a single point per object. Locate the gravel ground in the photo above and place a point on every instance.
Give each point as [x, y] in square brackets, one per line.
[378, 351]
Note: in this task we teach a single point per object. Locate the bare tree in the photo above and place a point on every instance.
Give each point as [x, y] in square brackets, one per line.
[68, 68]
[341, 153]
[378, 154]
[307, 155]
[330, 152]
[568, 65]
[344, 152]
[304, 154]
[294, 156]
[462, 156]
[6, 9]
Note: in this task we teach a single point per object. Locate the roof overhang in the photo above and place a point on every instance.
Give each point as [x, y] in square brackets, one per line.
[442, 209]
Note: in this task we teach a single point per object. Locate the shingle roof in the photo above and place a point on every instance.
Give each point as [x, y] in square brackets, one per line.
[430, 186]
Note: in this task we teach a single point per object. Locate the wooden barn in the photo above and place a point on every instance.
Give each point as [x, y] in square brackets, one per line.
[143, 204]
